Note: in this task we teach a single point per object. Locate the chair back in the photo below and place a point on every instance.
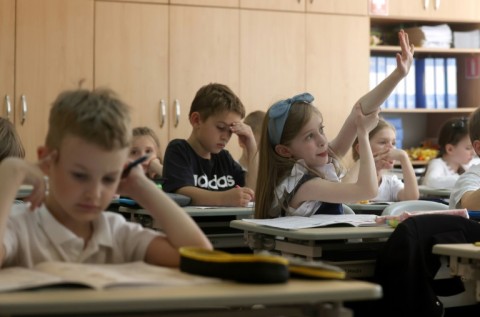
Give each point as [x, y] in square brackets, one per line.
[398, 208]
[347, 210]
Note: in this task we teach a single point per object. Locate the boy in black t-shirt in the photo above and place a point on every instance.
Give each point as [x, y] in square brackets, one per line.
[200, 167]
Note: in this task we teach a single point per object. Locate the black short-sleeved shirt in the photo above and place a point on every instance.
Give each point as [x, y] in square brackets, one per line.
[183, 167]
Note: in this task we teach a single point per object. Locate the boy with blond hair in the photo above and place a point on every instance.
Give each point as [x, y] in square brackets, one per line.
[466, 191]
[200, 167]
[79, 171]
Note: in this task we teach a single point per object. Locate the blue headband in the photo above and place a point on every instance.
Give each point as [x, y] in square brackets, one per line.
[278, 114]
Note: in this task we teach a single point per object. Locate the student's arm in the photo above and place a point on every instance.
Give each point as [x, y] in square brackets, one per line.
[154, 168]
[410, 189]
[235, 197]
[246, 137]
[13, 173]
[375, 98]
[364, 188]
[179, 228]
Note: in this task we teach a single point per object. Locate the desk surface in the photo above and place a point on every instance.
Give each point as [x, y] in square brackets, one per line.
[324, 233]
[465, 250]
[184, 298]
[434, 192]
[219, 211]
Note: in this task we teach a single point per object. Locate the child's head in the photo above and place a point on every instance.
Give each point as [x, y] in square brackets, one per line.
[89, 135]
[292, 130]
[144, 142]
[11, 145]
[254, 120]
[454, 142]
[215, 109]
[214, 99]
[383, 136]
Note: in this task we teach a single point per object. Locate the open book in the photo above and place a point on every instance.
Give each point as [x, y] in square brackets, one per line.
[96, 276]
[298, 222]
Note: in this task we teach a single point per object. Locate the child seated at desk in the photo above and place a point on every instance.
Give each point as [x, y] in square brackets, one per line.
[466, 191]
[79, 170]
[200, 167]
[455, 155]
[299, 170]
[382, 143]
[145, 142]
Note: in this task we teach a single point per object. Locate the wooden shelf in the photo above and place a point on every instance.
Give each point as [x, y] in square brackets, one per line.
[429, 50]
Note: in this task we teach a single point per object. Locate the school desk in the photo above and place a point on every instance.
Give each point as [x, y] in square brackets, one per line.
[352, 248]
[214, 221]
[305, 297]
[429, 192]
[464, 261]
[370, 208]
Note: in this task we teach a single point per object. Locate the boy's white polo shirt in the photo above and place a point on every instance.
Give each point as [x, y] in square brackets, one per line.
[34, 237]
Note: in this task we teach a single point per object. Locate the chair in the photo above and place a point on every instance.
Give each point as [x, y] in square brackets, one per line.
[398, 208]
[347, 210]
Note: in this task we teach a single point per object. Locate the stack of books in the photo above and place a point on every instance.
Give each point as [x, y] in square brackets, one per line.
[467, 39]
[439, 36]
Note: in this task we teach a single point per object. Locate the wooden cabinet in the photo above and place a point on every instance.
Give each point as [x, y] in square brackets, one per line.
[53, 52]
[208, 3]
[351, 7]
[337, 65]
[156, 61]
[274, 5]
[7, 58]
[452, 10]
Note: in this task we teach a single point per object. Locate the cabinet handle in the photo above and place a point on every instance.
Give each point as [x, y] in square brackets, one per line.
[176, 103]
[437, 4]
[8, 105]
[163, 111]
[425, 4]
[23, 100]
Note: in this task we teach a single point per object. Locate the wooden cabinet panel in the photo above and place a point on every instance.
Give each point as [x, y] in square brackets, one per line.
[7, 57]
[210, 3]
[272, 62]
[442, 10]
[131, 57]
[280, 5]
[354, 7]
[54, 52]
[337, 65]
[144, 1]
[202, 51]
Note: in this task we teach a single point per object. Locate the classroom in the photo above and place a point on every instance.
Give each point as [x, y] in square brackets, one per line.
[157, 54]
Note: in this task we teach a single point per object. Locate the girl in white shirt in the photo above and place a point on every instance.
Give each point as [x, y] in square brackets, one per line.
[455, 155]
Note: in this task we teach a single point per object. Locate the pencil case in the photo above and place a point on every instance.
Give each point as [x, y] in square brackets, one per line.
[245, 268]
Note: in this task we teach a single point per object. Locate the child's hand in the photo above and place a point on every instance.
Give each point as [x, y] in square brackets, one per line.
[404, 59]
[132, 183]
[154, 167]
[245, 135]
[365, 123]
[385, 159]
[34, 176]
[239, 196]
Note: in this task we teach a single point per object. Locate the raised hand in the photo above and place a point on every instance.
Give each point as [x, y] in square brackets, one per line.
[405, 58]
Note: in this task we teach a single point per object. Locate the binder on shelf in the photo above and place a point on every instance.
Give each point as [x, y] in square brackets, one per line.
[381, 71]
[373, 72]
[410, 92]
[401, 94]
[391, 64]
[425, 82]
[440, 83]
[451, 82]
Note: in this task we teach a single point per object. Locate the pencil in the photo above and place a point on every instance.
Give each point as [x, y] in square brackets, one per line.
[132, 164]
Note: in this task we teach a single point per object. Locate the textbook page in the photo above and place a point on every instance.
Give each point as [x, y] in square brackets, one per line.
[298, 222]
[96, 276]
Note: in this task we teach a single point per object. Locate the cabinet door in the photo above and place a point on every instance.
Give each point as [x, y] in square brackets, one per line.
[131, 57]
[448, 10]
[272, 63]
[281, 5]
[202, 51]
[7, 57]
[338, 6]
[208, 3]
[337, 65]
[54, 52]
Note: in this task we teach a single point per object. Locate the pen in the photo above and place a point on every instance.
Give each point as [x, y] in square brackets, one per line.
[133, 164]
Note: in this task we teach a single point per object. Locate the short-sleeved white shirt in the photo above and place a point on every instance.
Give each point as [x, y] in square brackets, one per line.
[440, 175]
[389, 188]
[34, 237]
[467, 182]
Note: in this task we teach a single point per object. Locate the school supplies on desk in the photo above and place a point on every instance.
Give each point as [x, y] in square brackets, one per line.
[95, 276]
[394, 221]
[298, 222]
